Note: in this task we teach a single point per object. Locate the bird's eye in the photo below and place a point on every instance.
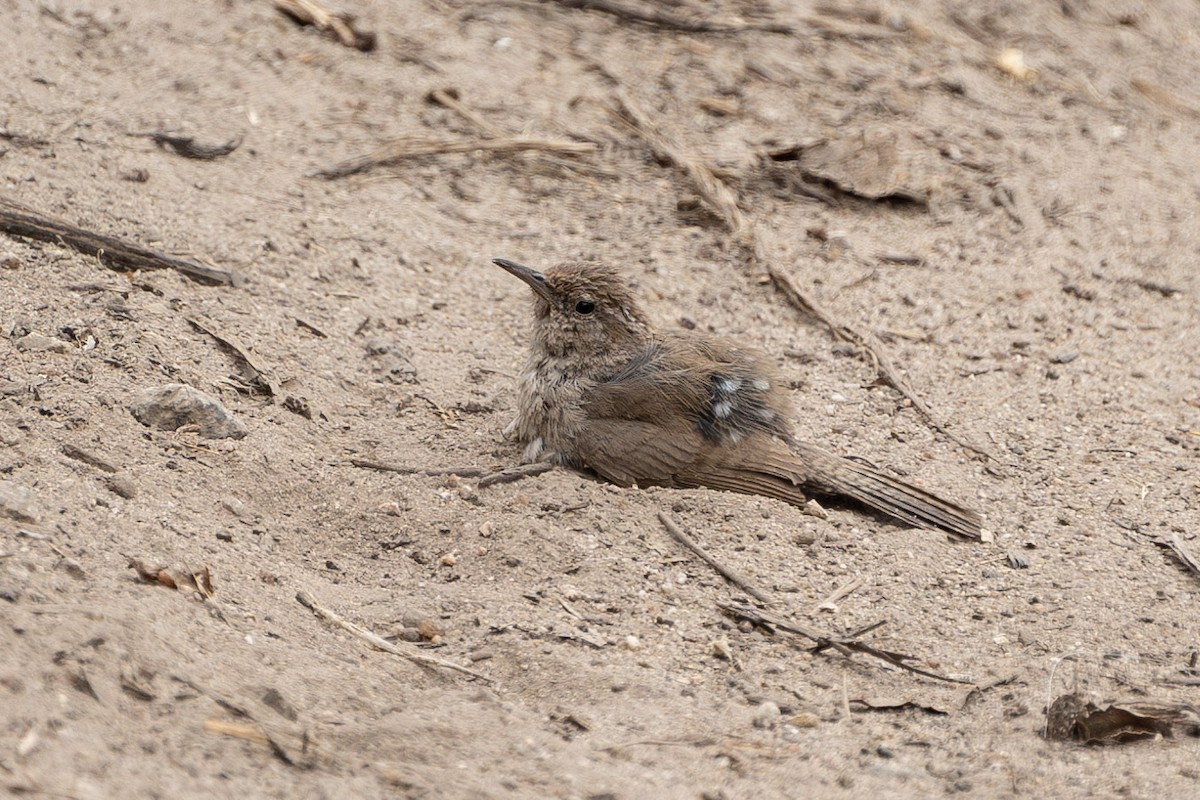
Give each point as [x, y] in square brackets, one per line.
[585, 307]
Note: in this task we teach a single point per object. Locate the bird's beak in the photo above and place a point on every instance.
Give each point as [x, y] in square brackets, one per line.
[535, 279]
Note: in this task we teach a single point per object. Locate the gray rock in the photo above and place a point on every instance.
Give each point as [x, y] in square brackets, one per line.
[36, 343]
[766, 715]
[18, 502]
[172, 406]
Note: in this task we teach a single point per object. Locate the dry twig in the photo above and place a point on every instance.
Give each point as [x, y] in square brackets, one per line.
[339, 26]
[18, 220]
[308, 601]
[730, 575]
[844, 645]
[830, 603]
[668, 21]
[414, 146]
[403, 469]
[515, 474]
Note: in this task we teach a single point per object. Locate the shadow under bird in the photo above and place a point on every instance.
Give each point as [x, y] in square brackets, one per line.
[605, 391]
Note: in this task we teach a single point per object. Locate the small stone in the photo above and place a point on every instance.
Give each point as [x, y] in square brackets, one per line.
[814, 509]
[174, 405]
[1065, 357]
[36, 343]
[449, 560]
[18, 502]
[767, 715]
[234, 506]
[631, 643]
[721, 649]
[122, 485]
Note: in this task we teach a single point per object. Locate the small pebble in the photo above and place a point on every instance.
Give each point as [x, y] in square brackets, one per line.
[767, 715]
[1065, 357]
[721, 649]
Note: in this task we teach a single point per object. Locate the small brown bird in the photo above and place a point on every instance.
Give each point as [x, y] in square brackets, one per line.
[604, 391]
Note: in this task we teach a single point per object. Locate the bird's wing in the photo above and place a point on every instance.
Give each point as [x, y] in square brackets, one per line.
[629, 452]
[683, 410]
[726, 392]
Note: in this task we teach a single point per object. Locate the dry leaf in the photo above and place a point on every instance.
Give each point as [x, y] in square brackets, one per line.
[1072, 717]
[177, 577]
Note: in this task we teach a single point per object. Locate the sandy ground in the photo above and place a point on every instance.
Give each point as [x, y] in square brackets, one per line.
[1021, 243]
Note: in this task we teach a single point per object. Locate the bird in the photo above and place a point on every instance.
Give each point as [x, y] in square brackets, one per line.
[605, 391]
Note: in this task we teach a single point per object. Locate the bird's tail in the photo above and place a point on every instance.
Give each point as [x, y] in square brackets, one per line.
[828, 473]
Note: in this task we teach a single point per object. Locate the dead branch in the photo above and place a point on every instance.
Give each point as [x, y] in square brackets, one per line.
[414, 146]
[674, 22]
[729, 574]
[830, 603]
[723, 200]
[515, 474]
[339, 26]
[844, 645]
[308, 601]
[403, 469]
[19, 220]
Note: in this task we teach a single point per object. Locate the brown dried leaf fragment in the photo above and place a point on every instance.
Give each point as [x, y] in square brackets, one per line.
[178, 577]
[1072, 717]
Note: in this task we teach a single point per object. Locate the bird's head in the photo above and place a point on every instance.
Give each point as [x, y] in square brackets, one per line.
[584, 309]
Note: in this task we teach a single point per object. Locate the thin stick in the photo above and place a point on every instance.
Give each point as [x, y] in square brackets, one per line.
[444, 98]
[515, 474]
[662, 19]
[722, 199]
[702, 741]
[339, 26]
[411, 147]
[403, 469]
[844, 645]
[830, 603]
[308, 601]
[19, 220]
[730, 575]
